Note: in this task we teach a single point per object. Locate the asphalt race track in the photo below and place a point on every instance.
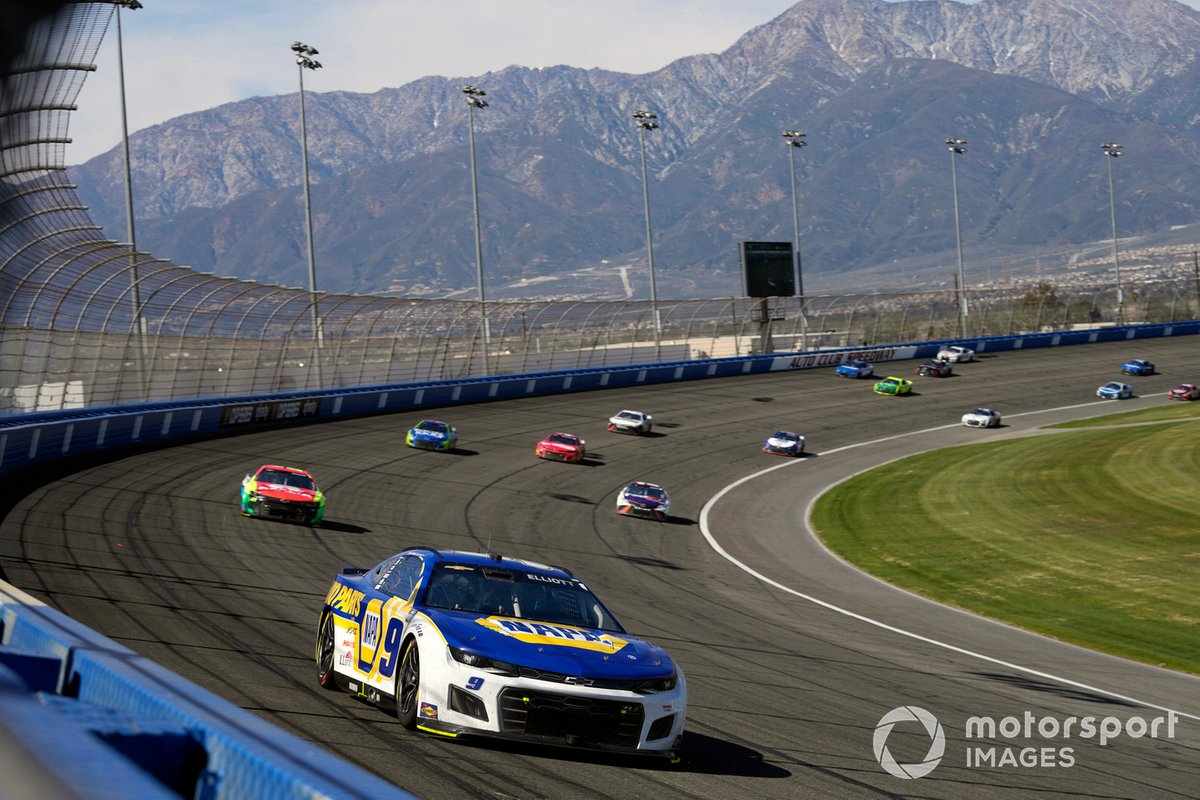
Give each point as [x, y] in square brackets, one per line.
[784, 693]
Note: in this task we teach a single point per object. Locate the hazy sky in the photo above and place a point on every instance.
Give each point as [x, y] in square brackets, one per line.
[189, 55]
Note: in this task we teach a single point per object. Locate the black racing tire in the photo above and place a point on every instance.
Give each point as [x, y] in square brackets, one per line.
[324, 654]
[408, 685]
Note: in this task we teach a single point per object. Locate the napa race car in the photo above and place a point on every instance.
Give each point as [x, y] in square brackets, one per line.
[956, 353]
[1115, 390]
[432, 434]
[561, 447]
[641, 499]
[282, 493]
[474, 644]
[784, 443]
[855, 368]
[1137, 366]
[982, 418]
[893, 386]
[936, 369]
[1185, 391]
[634, 422]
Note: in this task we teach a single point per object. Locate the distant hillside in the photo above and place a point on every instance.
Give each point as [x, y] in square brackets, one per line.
[1034, 85]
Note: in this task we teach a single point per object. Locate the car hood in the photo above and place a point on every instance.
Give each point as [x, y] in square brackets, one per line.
[279, 491]
[560, 447]
[565, 649]
[776, 442]
[421, 433]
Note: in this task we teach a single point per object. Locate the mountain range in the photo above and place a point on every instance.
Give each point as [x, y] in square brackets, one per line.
[1034, 86]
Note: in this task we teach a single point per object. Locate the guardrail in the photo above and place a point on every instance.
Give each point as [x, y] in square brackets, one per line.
[191, 741]
[82, 716]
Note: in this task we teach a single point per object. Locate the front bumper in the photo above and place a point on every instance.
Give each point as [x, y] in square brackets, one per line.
[553, 713]
[304, 513]
[430, 444]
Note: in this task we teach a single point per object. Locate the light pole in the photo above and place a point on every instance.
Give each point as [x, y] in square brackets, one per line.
[139, 322]
[645, 121]
[957, 147]
[304, 60]
[795, 140]
[1114, 150]
[475, 100]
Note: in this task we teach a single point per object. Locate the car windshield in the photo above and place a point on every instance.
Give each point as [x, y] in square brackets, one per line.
[983, 412]
[562, 438]
[517, 594]
[633, 415]
[856, 364]
[784, 435]
[433, 426]
[647, 490]
[296, 479]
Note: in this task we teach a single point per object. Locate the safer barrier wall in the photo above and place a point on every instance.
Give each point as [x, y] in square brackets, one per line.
[37, 438]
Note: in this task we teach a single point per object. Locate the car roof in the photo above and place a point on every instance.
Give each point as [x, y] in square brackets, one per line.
[495, 560]
[283, 469]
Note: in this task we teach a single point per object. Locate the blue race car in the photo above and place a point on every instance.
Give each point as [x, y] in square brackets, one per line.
[855, 368]
[432, 434]
[1137, 366]
[1115, 390]
[476, 644]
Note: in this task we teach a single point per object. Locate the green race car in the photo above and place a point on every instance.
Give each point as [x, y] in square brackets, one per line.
[432, 434]
[893, 386]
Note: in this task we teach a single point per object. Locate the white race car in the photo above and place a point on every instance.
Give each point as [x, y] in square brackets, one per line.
[982, 418]
[955, 354]
[475, 644]
[634, 422]
[641, 499]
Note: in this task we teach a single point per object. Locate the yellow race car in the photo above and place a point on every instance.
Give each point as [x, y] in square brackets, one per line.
[894, 386]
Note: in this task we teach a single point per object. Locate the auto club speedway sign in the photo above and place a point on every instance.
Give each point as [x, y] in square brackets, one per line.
[834, 358]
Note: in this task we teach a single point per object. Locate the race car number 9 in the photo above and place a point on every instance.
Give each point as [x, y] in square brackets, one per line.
[391, 647]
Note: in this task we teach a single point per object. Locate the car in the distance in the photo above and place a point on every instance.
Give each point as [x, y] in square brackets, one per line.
[855, 368]
[1185, 391]
[481, 645]
[626, 421]
[982, 418]
[642, 499]
[282, 493]
[956, 353]
[784, 443]
[893, 386]
[432, 434]
[936, 369]
[561, 447]
[1137, 366]
[1115, 390]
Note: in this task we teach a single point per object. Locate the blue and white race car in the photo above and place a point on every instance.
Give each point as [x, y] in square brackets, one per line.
[432, 434]
[855, 368]
[641, 499]
[1115, 390]
[462, 644]
[1137, 366]
[784, 443]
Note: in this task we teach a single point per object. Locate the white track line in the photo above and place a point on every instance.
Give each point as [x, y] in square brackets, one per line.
[715, 545]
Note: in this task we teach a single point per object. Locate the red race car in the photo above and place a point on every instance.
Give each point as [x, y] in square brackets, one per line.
[561, 447]
[1185, 391]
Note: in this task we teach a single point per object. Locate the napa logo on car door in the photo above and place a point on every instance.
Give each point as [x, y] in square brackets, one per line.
[380, 632]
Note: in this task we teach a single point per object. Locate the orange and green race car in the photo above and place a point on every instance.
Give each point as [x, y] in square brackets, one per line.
[283, 493]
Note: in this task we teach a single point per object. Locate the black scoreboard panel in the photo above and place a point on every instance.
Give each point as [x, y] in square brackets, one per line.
[768, 269]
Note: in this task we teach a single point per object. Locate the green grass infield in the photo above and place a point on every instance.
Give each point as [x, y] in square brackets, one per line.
[1089, 536]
